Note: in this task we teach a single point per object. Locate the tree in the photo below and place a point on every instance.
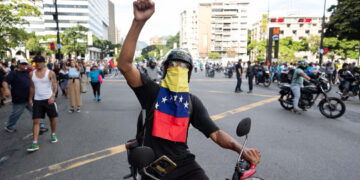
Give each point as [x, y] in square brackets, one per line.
[11, 22]
[344, 20]
[33, 44]
[214, 55]
[172, 40]
[154, 51]
[74, 40]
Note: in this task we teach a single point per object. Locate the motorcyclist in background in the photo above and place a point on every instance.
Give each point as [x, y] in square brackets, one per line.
[152, 70]
[346, 78]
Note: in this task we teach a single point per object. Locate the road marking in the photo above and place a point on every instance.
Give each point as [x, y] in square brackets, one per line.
[250, 94]
[98, 155]
[243, 108]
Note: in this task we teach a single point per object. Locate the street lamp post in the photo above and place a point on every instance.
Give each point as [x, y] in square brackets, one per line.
[322, 35]
[56, 18]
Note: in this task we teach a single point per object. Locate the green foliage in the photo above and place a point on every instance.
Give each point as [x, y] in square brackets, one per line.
[11, 20]
[154, 51]
[344, 21]
[173, 39]
[74, 40]
[214, 55]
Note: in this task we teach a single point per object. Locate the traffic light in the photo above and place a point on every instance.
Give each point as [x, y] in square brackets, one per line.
[52, 46]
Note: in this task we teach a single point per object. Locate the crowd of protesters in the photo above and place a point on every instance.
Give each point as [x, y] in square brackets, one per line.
[33, 85]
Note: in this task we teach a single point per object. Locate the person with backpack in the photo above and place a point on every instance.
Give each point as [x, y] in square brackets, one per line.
[170, 108]
[297, 83]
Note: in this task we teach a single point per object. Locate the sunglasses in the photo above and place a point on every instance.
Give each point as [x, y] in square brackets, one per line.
[177, 63]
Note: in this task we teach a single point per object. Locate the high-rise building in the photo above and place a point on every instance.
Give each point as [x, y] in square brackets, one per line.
[294, 26]
[93, 14]
[218, 26]
[111, 29]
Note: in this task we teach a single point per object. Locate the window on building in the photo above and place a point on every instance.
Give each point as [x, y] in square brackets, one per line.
[217, 10]
[281, 32]
[319, 31]
[294, 32]
[288, 25]
[243, 11]
[301, 25]
[307, 32]
[314, 24]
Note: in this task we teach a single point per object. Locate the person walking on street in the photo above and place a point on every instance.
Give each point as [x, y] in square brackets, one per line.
[19, 80]
[250, 72]
[63, 79]
[43, 87]
[74, 87]
[95, 82]
[239, 71]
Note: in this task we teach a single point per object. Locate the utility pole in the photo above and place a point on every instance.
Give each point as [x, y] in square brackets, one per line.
[58, 45]
[322, 36]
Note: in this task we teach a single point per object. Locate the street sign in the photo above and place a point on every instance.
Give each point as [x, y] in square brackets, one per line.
[321, 51]
[275, 37]
[58, 46]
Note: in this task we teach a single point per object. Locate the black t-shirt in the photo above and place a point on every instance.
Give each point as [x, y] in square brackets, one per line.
[12, 67]
[20, 85]
[345, 74]
[237, 67]
[199, 118]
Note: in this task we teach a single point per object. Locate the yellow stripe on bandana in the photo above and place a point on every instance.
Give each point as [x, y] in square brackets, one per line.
[176, 79]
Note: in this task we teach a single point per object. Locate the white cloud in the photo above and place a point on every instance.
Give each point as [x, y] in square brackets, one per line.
[166, 19]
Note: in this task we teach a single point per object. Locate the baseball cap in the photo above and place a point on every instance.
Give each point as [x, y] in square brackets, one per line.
[23, 61]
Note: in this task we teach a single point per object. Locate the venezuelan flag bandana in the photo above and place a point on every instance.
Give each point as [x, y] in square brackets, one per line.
[171, 116]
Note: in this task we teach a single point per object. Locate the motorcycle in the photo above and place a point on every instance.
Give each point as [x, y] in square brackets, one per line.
[243, 169]
[324, 81]
[211, 73]
[228, 73]
[309, 94]
[264, 78]
[354, 89]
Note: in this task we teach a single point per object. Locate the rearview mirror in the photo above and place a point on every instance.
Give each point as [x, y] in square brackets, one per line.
[243, 127]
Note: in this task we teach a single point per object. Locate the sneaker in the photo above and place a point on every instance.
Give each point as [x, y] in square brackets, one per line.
[42, 130]
[296, 111]
[249, 92]
[53, 138]
[33, 147]
[241, 90]
[71, 110]
[78, 110]
[10, 130]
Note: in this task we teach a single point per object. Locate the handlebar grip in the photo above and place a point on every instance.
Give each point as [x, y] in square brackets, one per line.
[249, 173]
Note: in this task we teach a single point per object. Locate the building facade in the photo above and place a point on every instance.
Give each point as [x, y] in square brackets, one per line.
[156, 40]
[111, 29]
[294, 26]
[215, 27]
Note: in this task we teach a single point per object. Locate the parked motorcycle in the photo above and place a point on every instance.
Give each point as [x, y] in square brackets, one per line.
[264, 78]
[228, 73]
[330, 107]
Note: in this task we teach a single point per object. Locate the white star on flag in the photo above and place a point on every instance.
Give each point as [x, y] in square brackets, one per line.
[156, 105]
[175, 97]
[171, 98]
[186, 104]
[164, 99]
[181, 98]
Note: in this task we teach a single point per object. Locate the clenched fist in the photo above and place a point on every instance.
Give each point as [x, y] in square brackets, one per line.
[143, 10]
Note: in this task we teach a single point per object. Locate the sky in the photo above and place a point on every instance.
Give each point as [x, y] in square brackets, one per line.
[166, 19]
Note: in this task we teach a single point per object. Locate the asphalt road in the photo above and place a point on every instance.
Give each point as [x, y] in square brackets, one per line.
[307, 146]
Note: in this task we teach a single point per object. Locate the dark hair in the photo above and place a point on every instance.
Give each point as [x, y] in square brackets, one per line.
[39, 58]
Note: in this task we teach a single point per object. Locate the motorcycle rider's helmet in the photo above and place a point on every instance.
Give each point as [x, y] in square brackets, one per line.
[302, 64]
[178, 55]
[152, 63]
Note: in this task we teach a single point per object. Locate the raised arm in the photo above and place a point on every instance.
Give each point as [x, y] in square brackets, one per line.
[143, 10]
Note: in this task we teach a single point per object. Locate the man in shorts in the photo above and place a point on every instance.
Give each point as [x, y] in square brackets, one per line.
[43, 87]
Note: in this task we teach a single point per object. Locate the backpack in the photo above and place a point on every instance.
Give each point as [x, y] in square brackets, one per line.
[140, 132]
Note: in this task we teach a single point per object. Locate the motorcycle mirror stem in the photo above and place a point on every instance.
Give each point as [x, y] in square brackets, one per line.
[242, 149]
